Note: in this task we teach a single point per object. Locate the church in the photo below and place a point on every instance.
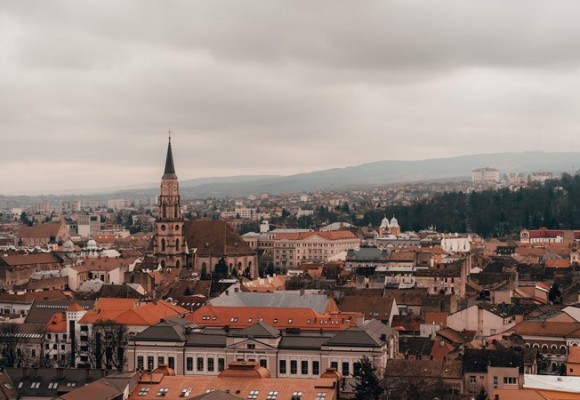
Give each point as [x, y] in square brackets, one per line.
[196, 245]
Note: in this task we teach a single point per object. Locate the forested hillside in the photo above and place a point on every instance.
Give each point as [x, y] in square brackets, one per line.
[494, 213]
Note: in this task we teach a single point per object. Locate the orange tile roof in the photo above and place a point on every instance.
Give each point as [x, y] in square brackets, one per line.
[104, 264]
[280, 318]
[237, 386]
[57, 323]
[39, 231]
[29, 259]
[75, 307]
[558, 263]
[130, 312]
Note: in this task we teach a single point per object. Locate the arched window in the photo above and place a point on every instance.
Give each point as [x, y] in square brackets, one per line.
[545, 349]
[177, 244]
[177, 264]
[563, 350]
[162, 244]
[554, 349]
[164, 211]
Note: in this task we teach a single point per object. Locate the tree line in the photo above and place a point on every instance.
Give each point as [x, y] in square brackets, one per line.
[492, 213]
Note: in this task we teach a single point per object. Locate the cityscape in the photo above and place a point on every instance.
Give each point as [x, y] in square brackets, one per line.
[354, 201]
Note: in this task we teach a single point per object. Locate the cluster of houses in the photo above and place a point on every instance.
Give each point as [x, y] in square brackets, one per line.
[197, 311]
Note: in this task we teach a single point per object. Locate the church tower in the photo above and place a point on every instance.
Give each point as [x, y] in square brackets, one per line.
[169, 244]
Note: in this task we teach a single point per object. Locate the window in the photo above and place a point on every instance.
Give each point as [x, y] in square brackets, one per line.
[221, 364]
[150, 361]
[162, 392]
[282, 368]
[160, 360]
[304, 367]
[320, 396]
[345, 369]
[472, 379]
[293, 367]
[272, 395]
[263, 363]
[251, 346]
[253, 394]
[210, 364]
[495, 382]
[185, 392]
[143, 391]
[200, 363]
[508, 380]
[356, 368]
[315, 367]
[296, 396]
[171, 362]
[189, 363]
[140, 363]
[334, 364]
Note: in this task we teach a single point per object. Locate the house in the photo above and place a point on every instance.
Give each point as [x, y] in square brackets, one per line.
[41, 234]
[107, 270]
[401, 372]
[483, 318]
[18, 269]
[493, 370]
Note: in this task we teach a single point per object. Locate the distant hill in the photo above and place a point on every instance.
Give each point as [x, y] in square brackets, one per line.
[379, 173]
[389, 172]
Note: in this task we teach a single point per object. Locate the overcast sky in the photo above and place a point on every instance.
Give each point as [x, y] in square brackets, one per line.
[88, 89]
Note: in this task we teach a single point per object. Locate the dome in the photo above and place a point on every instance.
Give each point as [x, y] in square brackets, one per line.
[385, 223]
[68, 246]
[91, 245]
[394, 222]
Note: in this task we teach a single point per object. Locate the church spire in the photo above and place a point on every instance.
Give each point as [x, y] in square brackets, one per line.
[169, 167]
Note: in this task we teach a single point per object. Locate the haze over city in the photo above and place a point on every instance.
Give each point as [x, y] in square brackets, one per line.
[88, 90]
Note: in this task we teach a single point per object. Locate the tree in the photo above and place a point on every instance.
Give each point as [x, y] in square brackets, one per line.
[106, 345]
[367, 384]
[555, 295]
[220, 270]
[482, 395]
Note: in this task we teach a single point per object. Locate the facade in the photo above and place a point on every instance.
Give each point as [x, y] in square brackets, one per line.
[169, 243]
[485, 319]
[190, 349]
[18, 269]
[485, 175]
[289, 249]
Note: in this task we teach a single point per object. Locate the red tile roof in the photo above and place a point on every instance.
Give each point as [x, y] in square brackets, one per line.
[131, 312]
[279, 318]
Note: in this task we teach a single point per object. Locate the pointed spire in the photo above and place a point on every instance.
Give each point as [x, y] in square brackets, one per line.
[169, 167]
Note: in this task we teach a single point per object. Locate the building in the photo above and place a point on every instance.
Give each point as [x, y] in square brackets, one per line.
[18, 269]
[287, 249]
[485, 175]
[194, 349]
[42, 234]
[88, 225]
[211, 241]
[169, 242]
[483, 318]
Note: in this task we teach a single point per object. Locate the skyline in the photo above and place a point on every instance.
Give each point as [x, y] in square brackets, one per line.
[89, 90]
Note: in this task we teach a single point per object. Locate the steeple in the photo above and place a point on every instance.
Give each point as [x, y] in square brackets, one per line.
[169, 167]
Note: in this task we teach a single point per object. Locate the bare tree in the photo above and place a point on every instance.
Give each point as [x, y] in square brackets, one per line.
[9, 343]
[105, 347]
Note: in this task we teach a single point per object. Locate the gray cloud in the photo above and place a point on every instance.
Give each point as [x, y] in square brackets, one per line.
[88, 89]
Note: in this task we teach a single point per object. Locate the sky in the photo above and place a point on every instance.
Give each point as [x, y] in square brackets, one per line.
[89, 89]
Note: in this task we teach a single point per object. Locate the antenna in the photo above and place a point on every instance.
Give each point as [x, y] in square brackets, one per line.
[169, 133]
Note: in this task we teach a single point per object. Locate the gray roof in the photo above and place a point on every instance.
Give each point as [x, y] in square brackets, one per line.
[69, 379]
[304, 342]
[42, 310]
[206, 338]
[367, 335]
[259, 330]
[292, 299]
[173, 329]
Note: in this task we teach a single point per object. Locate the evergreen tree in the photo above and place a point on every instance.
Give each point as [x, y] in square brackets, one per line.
[367, 386]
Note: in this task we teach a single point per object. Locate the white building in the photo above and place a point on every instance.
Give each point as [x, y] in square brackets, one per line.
[485, 175]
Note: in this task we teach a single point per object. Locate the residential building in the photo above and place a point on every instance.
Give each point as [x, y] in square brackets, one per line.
[485, 175]
[483, 318]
